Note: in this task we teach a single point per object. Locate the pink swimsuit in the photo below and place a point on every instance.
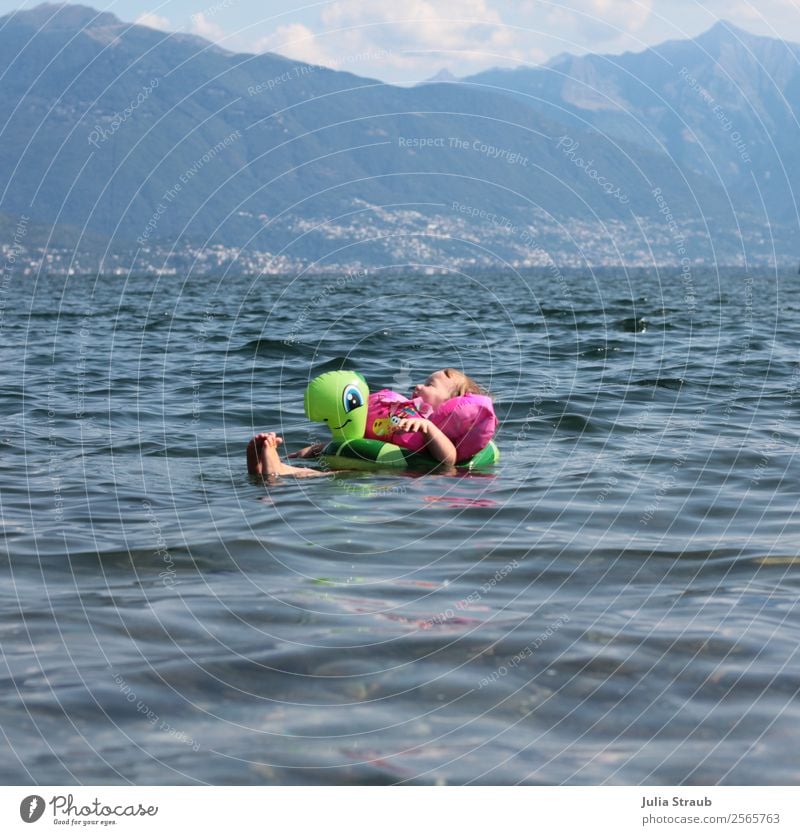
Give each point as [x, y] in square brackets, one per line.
[468, 421]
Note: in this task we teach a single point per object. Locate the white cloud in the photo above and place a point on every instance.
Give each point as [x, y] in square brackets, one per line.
[414, 38]
[447, 25]
[154, 21]
[296, 41]
[205, 28]
[604, 19]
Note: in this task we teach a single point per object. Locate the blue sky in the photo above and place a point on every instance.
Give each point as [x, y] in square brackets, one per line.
[413, 39]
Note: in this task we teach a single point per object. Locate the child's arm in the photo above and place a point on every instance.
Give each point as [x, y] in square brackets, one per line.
[312, 451]
[437, 444]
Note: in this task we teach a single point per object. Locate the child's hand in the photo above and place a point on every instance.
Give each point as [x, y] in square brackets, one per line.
[415, 425]
[437, 444]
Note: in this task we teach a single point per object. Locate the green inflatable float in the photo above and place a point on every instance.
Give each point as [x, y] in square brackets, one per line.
[340, 399]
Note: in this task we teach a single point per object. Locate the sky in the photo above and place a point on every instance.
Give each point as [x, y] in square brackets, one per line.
[412, 40]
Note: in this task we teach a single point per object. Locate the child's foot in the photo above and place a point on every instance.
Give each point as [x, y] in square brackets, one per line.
[271, 464]
[263, 459]
[262, 455]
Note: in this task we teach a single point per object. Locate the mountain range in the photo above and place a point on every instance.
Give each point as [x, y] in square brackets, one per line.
[116, 137]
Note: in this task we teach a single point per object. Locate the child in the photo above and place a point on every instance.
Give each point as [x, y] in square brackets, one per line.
[448, 432]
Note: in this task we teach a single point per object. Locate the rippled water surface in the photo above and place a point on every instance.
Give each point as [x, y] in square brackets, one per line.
[616, 602]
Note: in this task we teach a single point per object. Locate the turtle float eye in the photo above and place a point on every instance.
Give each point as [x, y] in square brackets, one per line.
[351, 398]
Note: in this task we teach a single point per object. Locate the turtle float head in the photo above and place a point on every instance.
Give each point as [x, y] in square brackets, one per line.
[339, 399]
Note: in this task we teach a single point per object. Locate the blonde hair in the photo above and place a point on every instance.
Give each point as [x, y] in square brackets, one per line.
[463, 384]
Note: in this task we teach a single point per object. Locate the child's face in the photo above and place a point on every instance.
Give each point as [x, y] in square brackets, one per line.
[437, 389]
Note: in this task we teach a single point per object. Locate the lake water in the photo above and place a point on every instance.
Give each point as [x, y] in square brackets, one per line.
[615, 603]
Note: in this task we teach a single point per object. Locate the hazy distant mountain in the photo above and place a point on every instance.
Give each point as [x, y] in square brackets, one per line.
[146, 138]
[444, 75]
[724, 106]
